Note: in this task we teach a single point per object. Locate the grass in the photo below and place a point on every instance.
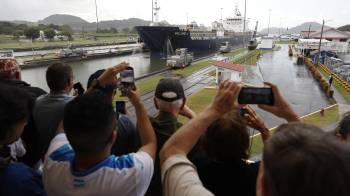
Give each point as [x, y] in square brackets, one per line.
[199, 101]
[8, 41]
[193, 68]
[340, 89]
[331, 116]
[147, 85]
[235, 52]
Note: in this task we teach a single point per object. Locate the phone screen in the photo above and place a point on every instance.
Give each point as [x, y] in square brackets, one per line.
[120, 107]
[127, 76]
[79, 87]
[127, 80]
[250, 95]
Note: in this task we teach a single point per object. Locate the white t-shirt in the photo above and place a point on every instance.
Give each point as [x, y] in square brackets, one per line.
[125, 175]
[180, 178]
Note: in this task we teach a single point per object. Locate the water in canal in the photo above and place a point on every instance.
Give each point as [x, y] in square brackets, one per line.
[142, 63]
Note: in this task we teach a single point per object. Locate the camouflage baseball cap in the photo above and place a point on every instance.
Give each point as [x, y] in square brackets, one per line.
[8, 68]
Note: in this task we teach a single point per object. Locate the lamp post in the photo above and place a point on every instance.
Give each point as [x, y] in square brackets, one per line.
[268, 26]
[319, 45]
[244, 24]
[96, 16]
[152, 11]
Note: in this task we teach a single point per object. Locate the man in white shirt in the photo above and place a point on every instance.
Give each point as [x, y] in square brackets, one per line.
[79, 161]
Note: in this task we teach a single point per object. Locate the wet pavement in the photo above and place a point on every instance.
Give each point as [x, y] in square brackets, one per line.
[295, 83]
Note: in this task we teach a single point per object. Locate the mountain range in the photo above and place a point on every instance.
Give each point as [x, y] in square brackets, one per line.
[314, 26]
[78, 24]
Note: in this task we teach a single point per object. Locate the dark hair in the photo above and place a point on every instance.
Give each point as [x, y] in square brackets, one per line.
[344, 126]
[227, 139]
[89, 121]
[58, 76]
[301, 159]
[109, 89]
[15, 105]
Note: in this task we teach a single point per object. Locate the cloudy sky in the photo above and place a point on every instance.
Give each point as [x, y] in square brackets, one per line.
[285, 13]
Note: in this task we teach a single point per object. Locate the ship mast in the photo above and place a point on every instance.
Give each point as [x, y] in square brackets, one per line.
[96, 16]
[156, 11]
[244, 21]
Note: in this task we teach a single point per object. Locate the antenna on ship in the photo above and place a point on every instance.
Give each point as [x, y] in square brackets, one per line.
[156, 11]
[96, 16]
[244, 21]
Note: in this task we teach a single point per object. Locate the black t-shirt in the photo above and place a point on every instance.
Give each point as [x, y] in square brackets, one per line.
[30, 135]
[232, 178]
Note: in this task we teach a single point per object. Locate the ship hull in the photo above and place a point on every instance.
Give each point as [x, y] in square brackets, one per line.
[156, 39]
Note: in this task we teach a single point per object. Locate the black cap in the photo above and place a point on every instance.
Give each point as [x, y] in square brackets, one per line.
[106, 89]
[169, 90]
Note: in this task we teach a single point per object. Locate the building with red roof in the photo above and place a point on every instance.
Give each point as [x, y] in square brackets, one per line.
[228, 71]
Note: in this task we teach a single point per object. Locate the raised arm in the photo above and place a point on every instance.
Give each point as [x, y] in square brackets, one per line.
[109, 77]
[146, 132]
[183, 140]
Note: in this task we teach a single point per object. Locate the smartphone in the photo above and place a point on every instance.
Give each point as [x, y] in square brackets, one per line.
[127, 81]
[79, 88]
[252, 95]
[120, 107]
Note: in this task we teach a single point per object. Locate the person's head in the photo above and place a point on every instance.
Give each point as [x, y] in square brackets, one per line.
[227, 139]
[15, 108]
[343, 129]
[90, 125]
[301, 159]
[169, 96]
[9, 69]
[59, 78]
[109, 90]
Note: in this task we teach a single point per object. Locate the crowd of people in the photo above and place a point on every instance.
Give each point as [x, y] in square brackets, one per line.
[56, 143]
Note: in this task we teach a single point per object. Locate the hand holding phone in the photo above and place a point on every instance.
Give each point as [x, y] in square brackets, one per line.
[79, 88]
[127, 81]
[252, 95]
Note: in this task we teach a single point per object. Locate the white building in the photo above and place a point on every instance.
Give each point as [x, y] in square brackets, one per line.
[267, 43]
[228, 71]
[340, 39]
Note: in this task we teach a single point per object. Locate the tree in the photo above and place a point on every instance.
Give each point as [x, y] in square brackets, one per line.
[49, 33]
[18, 33]
[68, 34]
[126, 30]
[32, 33]
[113, 30]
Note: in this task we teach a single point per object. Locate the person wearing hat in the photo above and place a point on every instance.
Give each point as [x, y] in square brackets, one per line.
[10, 74]
[170, 100]
[127, 133]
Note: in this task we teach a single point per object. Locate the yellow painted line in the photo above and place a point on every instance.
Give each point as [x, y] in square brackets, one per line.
[329, 107]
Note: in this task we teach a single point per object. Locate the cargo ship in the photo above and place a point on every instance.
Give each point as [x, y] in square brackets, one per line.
[197, 39]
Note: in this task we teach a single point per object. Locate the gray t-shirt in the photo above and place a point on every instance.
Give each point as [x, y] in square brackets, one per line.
[48, 113]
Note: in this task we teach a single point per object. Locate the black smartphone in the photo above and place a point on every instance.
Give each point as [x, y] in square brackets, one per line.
[79, 88]
[127, 81]
[120, 107]
[251, 95]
